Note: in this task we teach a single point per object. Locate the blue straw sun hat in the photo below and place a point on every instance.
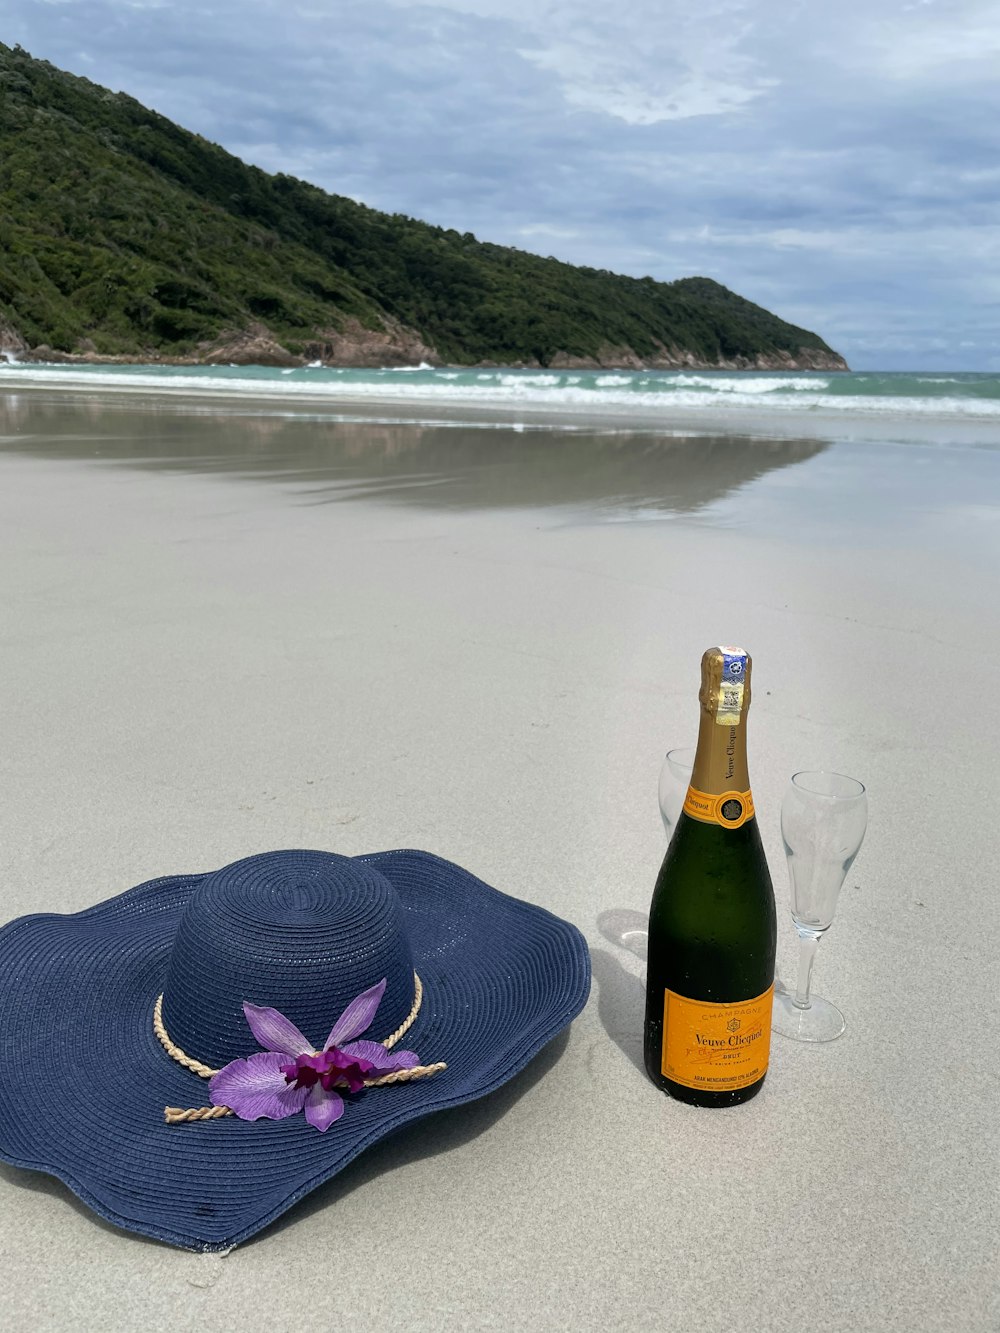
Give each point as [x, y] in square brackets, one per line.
[166, 1055]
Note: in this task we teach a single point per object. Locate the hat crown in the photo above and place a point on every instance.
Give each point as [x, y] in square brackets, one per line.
[302, 932]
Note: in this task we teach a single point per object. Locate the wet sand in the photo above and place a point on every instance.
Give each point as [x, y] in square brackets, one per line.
[234, 630]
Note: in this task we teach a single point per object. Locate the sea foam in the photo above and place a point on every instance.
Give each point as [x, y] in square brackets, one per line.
[654, 394]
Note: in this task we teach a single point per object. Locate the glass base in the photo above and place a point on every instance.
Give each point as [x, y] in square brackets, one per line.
[822, 1021]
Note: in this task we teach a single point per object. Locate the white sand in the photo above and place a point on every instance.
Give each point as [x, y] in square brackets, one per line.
[199, 668]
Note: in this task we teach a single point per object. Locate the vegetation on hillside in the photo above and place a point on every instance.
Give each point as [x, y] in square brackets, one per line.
[125, 233]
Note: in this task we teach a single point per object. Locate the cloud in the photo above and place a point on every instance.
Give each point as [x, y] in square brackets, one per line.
[960, 39]
[661, 61]
[842, 172]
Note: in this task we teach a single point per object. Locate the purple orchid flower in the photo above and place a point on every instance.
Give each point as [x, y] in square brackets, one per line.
[289, 1075]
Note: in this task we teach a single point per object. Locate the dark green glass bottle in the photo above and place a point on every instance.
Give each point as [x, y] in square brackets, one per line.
[710, 974]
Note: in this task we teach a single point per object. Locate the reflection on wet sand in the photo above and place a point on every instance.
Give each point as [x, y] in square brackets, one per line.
[437, 465]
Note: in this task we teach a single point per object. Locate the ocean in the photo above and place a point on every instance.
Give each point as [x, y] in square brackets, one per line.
[925, 405]
[851, 460]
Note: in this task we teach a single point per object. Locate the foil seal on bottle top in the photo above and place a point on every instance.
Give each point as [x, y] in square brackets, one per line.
[719, 792]
[734, 674]
[725, 684]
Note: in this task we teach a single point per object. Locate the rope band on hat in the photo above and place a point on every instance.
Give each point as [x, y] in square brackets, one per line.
[176, 1115]
[173, 1050]
[206, 1071]
[408, 1021]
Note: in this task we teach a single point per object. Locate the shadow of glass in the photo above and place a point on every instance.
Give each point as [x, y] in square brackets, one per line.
[626, 928]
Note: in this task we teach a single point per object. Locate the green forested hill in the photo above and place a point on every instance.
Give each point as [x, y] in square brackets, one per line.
[122, 234]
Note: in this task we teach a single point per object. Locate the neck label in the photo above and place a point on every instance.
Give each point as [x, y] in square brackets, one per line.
[730, 809]
[734, 673]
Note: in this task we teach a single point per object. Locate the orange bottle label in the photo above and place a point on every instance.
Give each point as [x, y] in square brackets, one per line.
[716, 1047]
[731, 809]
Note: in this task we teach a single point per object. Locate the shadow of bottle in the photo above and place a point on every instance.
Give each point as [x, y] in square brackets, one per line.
[621, 1001]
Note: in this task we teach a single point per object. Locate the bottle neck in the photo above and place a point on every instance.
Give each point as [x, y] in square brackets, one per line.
[720, 762]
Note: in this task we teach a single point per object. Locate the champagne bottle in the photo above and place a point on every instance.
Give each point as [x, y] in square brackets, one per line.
[710, 978]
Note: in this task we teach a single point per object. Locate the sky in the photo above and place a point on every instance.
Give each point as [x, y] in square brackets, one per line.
[837, 164]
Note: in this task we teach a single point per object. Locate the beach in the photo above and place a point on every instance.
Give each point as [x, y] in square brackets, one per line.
[235, 623]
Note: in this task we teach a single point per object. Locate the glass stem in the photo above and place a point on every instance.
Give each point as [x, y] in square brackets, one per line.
[808, 945]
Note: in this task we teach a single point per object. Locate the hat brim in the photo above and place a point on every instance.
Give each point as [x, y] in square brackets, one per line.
[84, 1080]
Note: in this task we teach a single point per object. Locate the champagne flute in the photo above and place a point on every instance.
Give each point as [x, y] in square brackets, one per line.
[675, 777]
[823, 822]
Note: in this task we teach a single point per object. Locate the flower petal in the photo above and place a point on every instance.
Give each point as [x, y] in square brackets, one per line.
[357, 1016]
[344, 1070]
[255, 1089]
[323, 1108]
[274, 1031]
[384, 1061]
